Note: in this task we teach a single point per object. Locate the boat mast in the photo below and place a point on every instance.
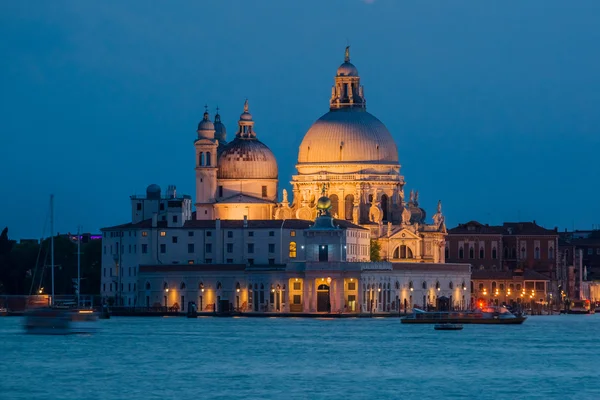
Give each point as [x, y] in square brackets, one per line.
[78, 264]
[52, 243]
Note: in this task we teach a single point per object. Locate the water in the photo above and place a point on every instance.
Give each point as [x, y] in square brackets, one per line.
[269, 358]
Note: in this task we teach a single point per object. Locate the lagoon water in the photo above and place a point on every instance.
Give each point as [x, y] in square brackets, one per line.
[547, 357]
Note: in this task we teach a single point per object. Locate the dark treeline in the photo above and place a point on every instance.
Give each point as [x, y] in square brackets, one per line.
[25, 267]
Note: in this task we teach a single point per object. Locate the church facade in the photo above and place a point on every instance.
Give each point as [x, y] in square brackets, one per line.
[347, 151]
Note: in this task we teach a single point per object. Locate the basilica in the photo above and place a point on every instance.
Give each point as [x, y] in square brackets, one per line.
[347, 151]
[249, 249]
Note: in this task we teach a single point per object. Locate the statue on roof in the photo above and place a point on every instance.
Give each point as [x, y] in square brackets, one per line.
[347, 55]
[411, 198]
[417, 197]
[285, 196]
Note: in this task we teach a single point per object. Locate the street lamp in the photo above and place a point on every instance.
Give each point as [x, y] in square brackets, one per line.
[328, 294]
[166, 294]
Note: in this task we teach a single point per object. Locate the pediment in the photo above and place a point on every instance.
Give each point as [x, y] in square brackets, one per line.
[404, 234]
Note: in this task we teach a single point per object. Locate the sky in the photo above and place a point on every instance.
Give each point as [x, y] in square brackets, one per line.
[493, 105]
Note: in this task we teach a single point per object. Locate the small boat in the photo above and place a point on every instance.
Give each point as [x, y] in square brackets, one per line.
[484, 315]
[60, 321]
[192, 311]
[448, 327]
[3, 312]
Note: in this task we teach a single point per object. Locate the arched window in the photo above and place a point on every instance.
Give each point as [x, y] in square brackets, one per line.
[384, 206]
[165, 286]
[397, 285]
[518, 286]
[424, 285]
[471, 252]
[348, 206]
[147, 285]
[461, 253]
[410, 285]
[208, 158]
[537, 253]
[403, 252]
[493, 286]
[502, 287]
[494, 253]
[292, 249]
[182, 286]
[200, 285]
[201, 159]
[451, 285]
[370, 198]
[446, 252]
[480, 286]
[335, 210]
[481, 253]
[219, 286]
[523, 254]
[551, 253]
[514, 253]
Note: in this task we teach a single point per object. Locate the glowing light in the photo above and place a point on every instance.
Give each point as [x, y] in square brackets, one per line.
[166, 290]
[328, 280]
[86, 311]
[202, 289]
[237, 290]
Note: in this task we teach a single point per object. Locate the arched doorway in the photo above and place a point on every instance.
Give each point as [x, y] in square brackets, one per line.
[323, 304]
[348, 207]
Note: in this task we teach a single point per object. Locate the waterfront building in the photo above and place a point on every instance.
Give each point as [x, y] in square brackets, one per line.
[240, 230]
[511, 288]
[509, 247]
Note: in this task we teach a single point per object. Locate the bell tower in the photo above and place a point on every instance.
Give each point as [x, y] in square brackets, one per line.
[347, 91]
[206, 168]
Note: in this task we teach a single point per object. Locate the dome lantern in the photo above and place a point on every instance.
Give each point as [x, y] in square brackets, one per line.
[347, 91]
[206, 129]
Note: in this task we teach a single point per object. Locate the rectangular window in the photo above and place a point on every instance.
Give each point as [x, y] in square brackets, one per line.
[251, 261]
[104, 287]
[229, 234]
[190, 261]
[129, 287]
[271, 233]
[130, 249]
[208, 233]
[191, 233]
[230, 261]
[110, 272]
[163, 233]
[271, 248]
[163, 248]
[292, 252]
[351, 285]
[250, 247]
[230, 247]
[134, 248]
[104, 249]
[590, 251]
[264, 191]
[251, 233]
[162, 206]
[220, 191]
[292, 233]
[297, 299]
[104, 272]
[297, 285]
[174, 218]
[174, 239]
[208, 248]
[144, 248]
[190, 247]
[208, 261]
[144, 233]
[271, 261]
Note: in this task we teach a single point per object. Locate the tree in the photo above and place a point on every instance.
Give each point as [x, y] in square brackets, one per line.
[375, 249]
[91, 259]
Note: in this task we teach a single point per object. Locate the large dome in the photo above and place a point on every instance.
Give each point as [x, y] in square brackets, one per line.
[247, 159]
[348, 135]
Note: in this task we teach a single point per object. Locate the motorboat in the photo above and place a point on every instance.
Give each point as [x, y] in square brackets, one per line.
[448, 327]
[484, 315]
[60, 321]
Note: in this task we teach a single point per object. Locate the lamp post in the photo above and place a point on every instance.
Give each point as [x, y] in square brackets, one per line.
[166, 295]
[201, 295]
[237, 297]
[328, 294]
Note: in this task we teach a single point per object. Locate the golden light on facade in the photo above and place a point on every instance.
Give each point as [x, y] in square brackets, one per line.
[328, 280]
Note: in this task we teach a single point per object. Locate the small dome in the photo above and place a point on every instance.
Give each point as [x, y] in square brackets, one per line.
[153, 191]
[324, 203]
[347, 69]
[206, 124]
[247, 159]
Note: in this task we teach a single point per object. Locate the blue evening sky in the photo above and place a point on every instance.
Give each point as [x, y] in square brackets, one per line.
[494, 105]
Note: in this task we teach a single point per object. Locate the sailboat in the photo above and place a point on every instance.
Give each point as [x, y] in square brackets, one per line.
[55, 319]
